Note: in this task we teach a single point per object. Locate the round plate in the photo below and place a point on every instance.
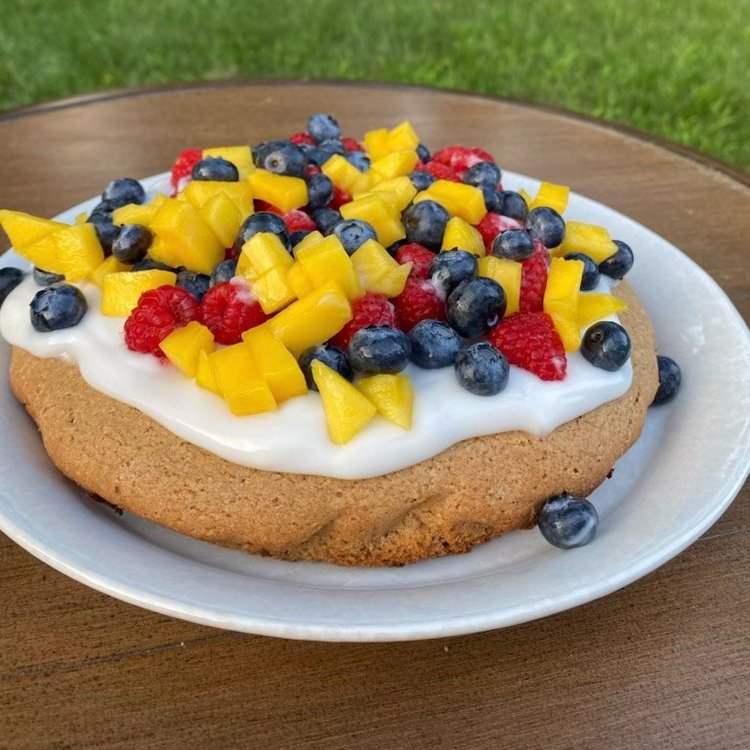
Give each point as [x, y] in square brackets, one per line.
[666, 491]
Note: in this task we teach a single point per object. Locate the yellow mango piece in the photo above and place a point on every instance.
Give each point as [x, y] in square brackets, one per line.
[279, 190]
[74, 251]
[159, 199]
[223, 216]
[121, 291]
[561, 299]
[328, 261]
[191, 242]
[525, 196]
[312, 319]
[507, 273]
[588, 239]
[240, 156]
[389, 197]
[275, 364]
[24, 230]
[392, 395]
[344, 175]
[239, 382]
[134, 213]
[458, 199]
[397, 193]
[378, 272]
[377, 213]
[262, 253]
[298, 281]
[163, 253]
[554, 196]
[376, 143]
[273, 291]
[395, 164]
[184, 345]
[108, 265]
[204, 374]
[593, 306]
[307, 240]
[200, 192]
[81, 218]
[403, 137]
[460, 235]
[347, 410]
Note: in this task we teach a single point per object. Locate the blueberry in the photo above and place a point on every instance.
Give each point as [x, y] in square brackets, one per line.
[514, 205]
[433, 344]
[326, 219]
[353, 233]
[223, 271]
[215, 169]
[46, 278]
[475, 306]
[328, 355]
[423, 153]
[195, 283]
[393, 249]
[424, 223]
[281, 157]
[319, 191]
[606, 345]
[493, 200]
[360, 160]
[670, 379]
[296, 237]
[132, 243]
[379, 349]
[314, 155]
[567, 521]
[57, 307]
[332, 146]
[481, 369]
[514, 244]
[124, 190]
[10, 278]
[101, 212]
[617, 265]
[451, 267]
[545, 224]
[590, 271]
[263, 221]
[322, 127]
[483, 174]
[107, 233]
[148, 264]
[421, 180]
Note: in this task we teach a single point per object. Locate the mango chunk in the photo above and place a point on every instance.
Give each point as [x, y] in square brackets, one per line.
[376, 143]
[200, 192]
[392, 395]
[162, 252]
[588, 239]
[223, 217]
[204, 374]
[134, 213]
[347, 410]
[74, 251]
[458, 199]
[377, 271]
[279, 190]
[554, 196]
[108, 265]
[381, 142]
[344, 175]
[275, 364]
[272, 290]
[377, 213]
[121, 291]
[263, 252]
[398, 192]
[184, 345]
[307, 240]
[460, 235]
[561, 300]
[24, 230]
[298, 281]
[395, 164]
[328, 261]
[240, 156]
[239, 382]
[593, 306]
[507, 273]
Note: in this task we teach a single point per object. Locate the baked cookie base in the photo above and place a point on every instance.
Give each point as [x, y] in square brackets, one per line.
[469, 493]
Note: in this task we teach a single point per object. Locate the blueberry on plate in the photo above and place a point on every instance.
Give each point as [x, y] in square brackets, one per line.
[107, 233]
[379, 349]
[323, 127]
[590, 271]
[325, 219]
[360, 160]
[313, 154]
[421, 180]
[493, 199]
[606, 345]
[353, 233]
[149, 264]
[424, 223]
[450, 268]
[124, 190]
[423, 153]
[223, 271]
[514, 244]
[195, 283]
[545, 224]
[57, 307]
[567, 521]
[281, 157]
[618, 264]
[132, 243]
[670, 379]
[215, 169]
[331, 146]
[475, 306]
[328, 355]
[513, 205]
[433, 344]
[483, 174]
[296, 237]
[481, 369]
[319, 191]
[10, 278]
[101, 212]
[263, 221]
[46, 278]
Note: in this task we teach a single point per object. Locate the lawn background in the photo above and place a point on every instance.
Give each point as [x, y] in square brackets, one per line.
[676, 68]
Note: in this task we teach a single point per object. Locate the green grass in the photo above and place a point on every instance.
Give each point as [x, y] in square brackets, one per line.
[676, 68]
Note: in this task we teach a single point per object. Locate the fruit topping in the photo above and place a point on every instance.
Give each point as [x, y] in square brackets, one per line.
[508, 274]
[424, 224]
[322, 127]
[461, 158]
[481, 369]
[280, 158]
[450, 268]
[184, 346]
[262, 222]
[475, 306]
[223, 271]
[392, 395]
[483, 174]
[460, 235]
[606, 345]
[56, 307]
[229, 309]
[552, 196]
[618, 264]
[589, 239]
[326, 219]
[534, 279]
[215, 169]
[420, 300]
[352, 233]
[492, 225]
[330, 356]
[670, 379]
[567, 521]
[183, 166]
[379, 349]
[514, 244]
[513, 205]
[132, 243]
[195, 283]
[45, 278]
[547, 225]
[434, 344]
[10, 278]
[591, 274]
[319, 191]
[122, 191]
[419, 256]
[369, 310]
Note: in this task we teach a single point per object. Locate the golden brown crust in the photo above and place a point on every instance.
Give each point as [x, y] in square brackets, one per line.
[468, 494]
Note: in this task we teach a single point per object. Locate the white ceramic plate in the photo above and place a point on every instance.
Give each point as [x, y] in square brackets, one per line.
[678, 479]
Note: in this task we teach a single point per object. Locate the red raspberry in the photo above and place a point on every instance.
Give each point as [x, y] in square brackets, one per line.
[184, 164]
[158, 312]
[340, 197]
[460, 158]
[494, 224]
[260, 205]
[370, 310]
[350, 144]
[438, 171]
[419, 301]
[534, 279]
[529, 340]
[419, 255]
[297, 220]
[231, 253]
[302, 138]
[229, 309]
[311, 169]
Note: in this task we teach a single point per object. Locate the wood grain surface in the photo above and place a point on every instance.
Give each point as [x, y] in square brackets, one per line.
[664, 663]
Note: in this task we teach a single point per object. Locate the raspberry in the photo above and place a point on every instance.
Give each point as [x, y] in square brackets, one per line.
[302, 138]
[157, 314]
[350, 144]
[493, 224]
[419, 301]
[419, 255]
[370, 310]
[340, 197]
[230, 308]
[460, 158]
[534, 279]
[297, 220]
[438, 171]
[529, 340]
[311, 169]
[260, 205]
[184, 164]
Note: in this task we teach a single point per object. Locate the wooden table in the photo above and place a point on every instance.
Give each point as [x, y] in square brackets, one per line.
[664, 663]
